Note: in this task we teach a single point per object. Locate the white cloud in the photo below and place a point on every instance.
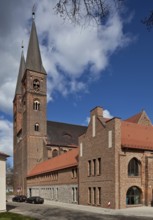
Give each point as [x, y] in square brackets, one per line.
[6, 136]
[107, 114]
[87, 120]
[68, 48]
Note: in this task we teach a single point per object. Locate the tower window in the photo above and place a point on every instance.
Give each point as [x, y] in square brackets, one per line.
[36, 105]
[36, 127]
[36, 84]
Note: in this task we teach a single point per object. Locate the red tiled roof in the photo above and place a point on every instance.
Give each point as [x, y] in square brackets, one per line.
[136, 136]
[62, 161]
[134, 118]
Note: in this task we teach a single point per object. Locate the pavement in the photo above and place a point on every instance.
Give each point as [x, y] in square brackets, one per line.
[143, 211]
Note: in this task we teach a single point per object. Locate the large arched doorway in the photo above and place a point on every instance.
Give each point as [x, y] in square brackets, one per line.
[133, 196]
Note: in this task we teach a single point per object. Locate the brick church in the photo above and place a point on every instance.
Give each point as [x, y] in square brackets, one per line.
[109, 163]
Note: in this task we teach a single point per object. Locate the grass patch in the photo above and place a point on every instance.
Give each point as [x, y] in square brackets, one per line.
[14, 216]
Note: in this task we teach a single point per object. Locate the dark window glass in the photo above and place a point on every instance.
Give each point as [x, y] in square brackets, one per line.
[36, 127]
[94, 195]
[89, 167]
[133, 196]
[94, 167]
[133, 167]
[89, 195]
[99, 166]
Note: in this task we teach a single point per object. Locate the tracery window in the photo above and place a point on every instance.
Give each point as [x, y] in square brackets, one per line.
[36, 84]
[36, 105]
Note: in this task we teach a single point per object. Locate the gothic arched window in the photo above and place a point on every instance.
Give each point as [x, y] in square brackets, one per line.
[133, 196]
[36, 127]
[36, 105]
[134, 167]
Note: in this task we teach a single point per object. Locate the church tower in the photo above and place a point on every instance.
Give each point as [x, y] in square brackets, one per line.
[32, 129]
[17, 127]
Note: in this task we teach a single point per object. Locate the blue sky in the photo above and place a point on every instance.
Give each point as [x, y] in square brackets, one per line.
[110, 66]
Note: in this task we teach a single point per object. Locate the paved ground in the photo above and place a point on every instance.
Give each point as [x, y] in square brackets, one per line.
[62, 211]
[138, 211]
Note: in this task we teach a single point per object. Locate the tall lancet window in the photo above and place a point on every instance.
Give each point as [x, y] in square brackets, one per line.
[36, 105]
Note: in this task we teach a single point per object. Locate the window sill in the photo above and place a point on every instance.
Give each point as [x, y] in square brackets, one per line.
[134, 176]
[135, 205]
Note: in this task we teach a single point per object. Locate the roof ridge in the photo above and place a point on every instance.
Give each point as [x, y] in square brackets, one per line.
[58, 122]
[53, 163]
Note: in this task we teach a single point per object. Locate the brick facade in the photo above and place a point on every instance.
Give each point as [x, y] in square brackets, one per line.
[113, 180]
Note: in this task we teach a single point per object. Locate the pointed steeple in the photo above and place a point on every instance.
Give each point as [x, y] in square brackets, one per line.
[33, 61]
[20, 74]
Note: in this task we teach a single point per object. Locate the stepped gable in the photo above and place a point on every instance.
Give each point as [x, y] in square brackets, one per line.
[63, 161]
[64, 134]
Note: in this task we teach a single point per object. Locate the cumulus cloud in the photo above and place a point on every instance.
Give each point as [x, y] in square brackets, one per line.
[106, 114]
[72, 55]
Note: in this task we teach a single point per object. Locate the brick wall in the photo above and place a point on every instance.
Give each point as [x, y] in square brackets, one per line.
[104, 147]
[62, 182]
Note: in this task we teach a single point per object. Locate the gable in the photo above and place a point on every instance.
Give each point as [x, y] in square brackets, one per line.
[140, 118]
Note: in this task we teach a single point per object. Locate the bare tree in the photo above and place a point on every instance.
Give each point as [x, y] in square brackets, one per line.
[87, 11]
[148, 21]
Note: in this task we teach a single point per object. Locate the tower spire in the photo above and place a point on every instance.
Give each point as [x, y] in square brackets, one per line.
[21, 72]
[34, 61]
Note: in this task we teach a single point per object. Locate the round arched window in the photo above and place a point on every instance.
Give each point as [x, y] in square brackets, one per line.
[133, 196]
[36, 127]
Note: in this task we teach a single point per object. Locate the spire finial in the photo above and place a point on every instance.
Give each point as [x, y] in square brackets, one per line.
[33, 11]
[22, 45]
